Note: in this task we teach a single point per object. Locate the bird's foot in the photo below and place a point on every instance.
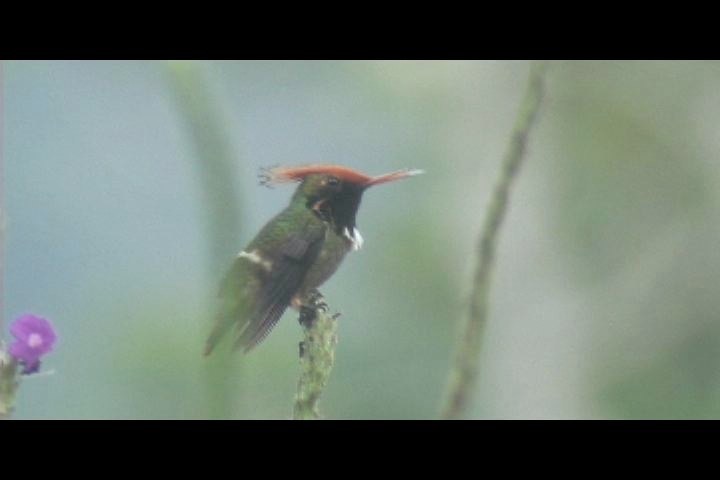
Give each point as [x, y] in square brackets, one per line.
[316, 300]
[312, 304]
[307, 316]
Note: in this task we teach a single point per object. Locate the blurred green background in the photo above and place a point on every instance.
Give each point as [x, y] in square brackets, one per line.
[606, 296]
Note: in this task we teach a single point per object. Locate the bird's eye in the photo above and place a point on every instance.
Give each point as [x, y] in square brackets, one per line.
[332, 181]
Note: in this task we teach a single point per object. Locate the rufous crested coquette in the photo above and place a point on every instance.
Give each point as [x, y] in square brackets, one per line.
[295, 252]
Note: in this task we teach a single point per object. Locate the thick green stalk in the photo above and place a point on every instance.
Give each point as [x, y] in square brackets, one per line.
[216, 160]
[2, 206]
[463, 375]
[215, 166]
[317, 356]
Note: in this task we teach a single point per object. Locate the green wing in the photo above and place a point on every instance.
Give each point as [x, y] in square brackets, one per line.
[256, 292]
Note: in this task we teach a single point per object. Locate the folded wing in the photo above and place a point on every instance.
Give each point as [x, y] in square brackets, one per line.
[259, 287]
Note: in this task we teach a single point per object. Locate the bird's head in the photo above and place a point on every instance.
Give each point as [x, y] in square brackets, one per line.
[333, 192]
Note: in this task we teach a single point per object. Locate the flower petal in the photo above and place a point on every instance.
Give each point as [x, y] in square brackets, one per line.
[22, 327]
[35, 337]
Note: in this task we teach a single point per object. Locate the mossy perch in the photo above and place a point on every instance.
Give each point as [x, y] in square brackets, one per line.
[317, 356]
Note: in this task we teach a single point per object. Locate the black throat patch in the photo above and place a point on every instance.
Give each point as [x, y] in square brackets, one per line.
[339, 210]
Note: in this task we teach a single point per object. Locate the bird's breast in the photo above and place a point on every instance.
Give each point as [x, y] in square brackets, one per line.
[329, 259]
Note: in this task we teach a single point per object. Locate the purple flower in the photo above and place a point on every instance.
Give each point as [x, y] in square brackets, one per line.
[34, 337]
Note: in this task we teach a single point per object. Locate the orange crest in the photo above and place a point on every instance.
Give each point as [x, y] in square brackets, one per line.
[276, 175]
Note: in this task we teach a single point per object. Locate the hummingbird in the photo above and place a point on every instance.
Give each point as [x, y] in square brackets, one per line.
[295, 252]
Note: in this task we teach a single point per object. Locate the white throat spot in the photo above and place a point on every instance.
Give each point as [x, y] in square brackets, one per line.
[355, 238]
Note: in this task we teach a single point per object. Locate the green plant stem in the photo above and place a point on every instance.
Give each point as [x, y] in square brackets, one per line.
[8, 383]
[2, 205]
[216, 166]
[463, 374]
[217, 160]
[317, 356]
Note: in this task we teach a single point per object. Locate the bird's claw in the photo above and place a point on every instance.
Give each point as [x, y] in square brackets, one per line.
[317, 301]
[307, 316]
[314, 303]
